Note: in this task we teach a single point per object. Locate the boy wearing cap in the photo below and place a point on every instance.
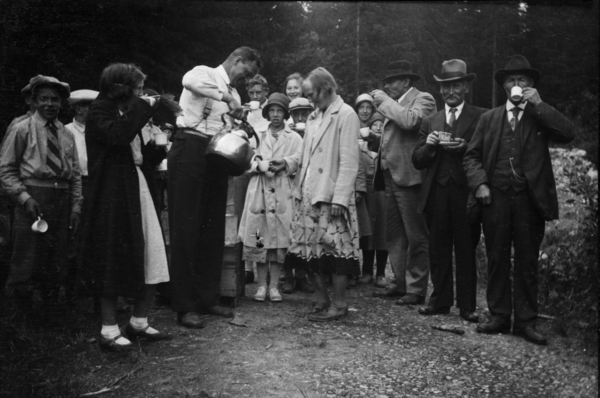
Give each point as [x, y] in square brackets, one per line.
[300, 109]
[267, 217]
[444, 192]
[39, 168]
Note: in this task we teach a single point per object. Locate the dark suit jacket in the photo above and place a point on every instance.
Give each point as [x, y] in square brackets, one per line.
[538, 125]
[400, 135]
[428, 157]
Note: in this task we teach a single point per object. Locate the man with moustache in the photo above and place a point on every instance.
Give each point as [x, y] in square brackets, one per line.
[197, 189]
[406, 232]
[444, 194]
[39, 169]
[508, 166]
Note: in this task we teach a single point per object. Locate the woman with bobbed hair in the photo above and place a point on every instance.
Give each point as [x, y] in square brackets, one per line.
[293, 86]
[123, 252]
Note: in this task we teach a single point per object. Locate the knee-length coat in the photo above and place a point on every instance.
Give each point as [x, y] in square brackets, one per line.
[112, 251]
[269, 203]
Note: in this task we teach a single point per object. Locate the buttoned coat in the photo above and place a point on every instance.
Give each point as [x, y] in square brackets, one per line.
[331, 152]
[269, 204]
[400, 136]
[538, 125]
[428, 157]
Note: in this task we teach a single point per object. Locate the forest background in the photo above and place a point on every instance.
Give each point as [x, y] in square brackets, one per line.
[355, 41]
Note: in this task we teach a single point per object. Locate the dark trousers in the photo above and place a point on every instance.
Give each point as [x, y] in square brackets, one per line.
[512, 219]
[40, 260]
[449, 228]
[197, 194]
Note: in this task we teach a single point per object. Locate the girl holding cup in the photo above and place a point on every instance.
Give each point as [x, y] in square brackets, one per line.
[266, 220]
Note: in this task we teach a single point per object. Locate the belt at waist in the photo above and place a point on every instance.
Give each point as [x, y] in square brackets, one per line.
[47, 183]
[189, 130]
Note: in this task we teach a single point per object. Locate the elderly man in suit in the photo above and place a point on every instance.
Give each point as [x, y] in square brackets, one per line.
[443, 140]
[508, 166]
[407, 236]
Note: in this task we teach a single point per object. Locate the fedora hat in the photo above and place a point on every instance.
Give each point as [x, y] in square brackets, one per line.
[453, 71]
[400, 69]
[277, 99]
[63, 88]
[300, 103]
[517, 64]
[82, 95]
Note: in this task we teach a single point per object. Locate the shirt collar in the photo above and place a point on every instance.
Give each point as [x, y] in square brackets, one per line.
[510, 105]
[459, 108]
[404, 95]
[76, 123]
[223, 74]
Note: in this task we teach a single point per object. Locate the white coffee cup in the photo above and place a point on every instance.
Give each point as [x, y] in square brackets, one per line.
[300, 126]
[161, 138]
[254, 105]
[263, 165]
[364, 132]
[516, 93]
[40, 226]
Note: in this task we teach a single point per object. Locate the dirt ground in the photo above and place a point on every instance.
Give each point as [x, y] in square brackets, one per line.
[380, 350]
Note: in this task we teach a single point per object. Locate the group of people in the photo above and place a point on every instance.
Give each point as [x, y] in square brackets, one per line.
[391, 176]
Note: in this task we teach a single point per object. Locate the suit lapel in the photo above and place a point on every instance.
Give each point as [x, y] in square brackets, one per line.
[320, 130]
[283, 137]
[439, 121]
[496, 125]
[465, 120]
[526, 123]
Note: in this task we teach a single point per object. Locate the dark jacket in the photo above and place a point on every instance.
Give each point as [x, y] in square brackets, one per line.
[112, 250]
[538, 125]
[427, 157]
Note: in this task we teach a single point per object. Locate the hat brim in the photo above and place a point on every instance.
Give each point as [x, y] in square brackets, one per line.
[501, 74]
[412, 76]
[265, 111]
[468, 77]
[297, 108]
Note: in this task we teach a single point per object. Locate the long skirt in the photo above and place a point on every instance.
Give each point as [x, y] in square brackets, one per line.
[155, 257]
[322, 243]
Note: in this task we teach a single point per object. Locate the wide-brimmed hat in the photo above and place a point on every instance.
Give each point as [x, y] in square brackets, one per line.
[82, 95]
[300, 103]
[277, 99]
[63, 88]
[400, 69]
[364, 98]
[375, 117]
[517, 65]
[453, 71]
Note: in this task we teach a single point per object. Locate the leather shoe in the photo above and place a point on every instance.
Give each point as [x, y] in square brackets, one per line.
[220, 311]
[304, 285]
[288, 286]
[411, 299]
[249, 277]
[531, 335]
[190, 320]
[319, 307]
[494, 325]
[469, 316]
[388, 293]
[332, 314]
[112, 345]
[132, 333]
[365, 279]
[434, 310]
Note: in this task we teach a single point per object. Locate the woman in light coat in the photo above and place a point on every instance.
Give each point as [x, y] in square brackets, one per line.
[267, 216]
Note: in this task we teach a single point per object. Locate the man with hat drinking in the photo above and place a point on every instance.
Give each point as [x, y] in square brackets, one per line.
[445, 191]
[39, 168]
[508, 167]
[406, 233]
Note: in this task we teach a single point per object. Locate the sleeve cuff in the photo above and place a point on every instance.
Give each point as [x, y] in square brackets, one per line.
[23, 197]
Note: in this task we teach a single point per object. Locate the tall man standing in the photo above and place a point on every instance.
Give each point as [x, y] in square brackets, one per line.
[407, 237]
[445, 191]
[198, 190]
[39, 169]
[508, 166]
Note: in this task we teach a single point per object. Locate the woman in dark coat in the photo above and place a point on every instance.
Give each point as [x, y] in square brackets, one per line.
[120, 253]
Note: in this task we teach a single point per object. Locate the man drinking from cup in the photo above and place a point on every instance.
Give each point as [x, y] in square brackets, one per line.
[442, 143]
[508, 166]
[39, 169]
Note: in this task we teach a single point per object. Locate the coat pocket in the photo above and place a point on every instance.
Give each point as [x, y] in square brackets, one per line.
[257, 204]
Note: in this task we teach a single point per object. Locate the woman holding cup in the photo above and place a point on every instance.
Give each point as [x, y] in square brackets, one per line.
[265, 223]
[124, 253]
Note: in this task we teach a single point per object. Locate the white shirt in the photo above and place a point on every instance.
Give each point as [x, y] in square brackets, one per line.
[200, 84]
[78, 131]
[458, 108]
[404, 95]
[510, 115]
[256, 119]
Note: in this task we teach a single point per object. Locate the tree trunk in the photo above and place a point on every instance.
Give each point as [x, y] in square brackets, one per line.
[357, 78]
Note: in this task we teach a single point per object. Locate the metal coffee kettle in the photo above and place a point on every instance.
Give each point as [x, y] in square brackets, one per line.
[230, 149]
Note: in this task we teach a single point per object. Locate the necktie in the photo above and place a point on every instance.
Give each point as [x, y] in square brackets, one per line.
[452, 118]
[53, 153]
[515, 119]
